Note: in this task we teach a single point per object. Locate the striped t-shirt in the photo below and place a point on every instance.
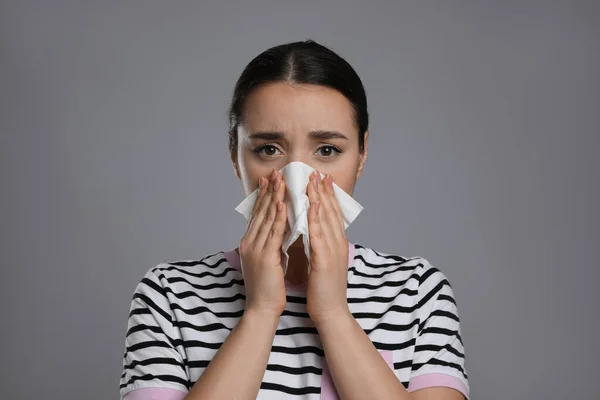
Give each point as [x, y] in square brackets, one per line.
[182, 312]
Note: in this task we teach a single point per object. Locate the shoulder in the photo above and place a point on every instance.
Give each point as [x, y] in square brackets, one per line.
[171, 279]
[388, 265]
[213, 265]
[415, 275]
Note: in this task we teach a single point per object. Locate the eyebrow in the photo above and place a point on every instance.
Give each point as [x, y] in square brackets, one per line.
[320, 134]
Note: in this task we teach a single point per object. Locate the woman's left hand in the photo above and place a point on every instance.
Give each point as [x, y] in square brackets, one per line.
[327, 281]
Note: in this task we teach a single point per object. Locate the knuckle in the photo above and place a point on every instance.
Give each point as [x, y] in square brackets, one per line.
[244, 245]
[275, 231]
[268, 219]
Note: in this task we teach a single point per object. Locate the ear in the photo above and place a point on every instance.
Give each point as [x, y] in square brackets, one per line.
[362, 158]
[234, 160]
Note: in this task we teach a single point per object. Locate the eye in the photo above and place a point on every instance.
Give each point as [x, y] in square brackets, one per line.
[267, 150]
[328, 151]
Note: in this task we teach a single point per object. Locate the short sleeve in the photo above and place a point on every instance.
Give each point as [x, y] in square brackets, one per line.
[151, 360]
[439, 358]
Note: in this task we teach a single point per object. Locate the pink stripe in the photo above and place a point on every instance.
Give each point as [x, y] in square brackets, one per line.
[233, 259]
[388, 356]
[328, 391]
[437, 380]
[155, 394]
[351, 252]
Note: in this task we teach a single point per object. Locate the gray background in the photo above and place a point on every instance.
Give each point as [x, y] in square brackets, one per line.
[483, 159]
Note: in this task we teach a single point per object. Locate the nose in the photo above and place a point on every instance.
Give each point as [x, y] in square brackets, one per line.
[303, 158]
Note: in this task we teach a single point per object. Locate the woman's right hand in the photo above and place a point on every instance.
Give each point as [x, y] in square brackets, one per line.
[260, 249]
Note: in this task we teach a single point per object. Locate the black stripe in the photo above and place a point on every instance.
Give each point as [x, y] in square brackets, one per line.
[289, 390]
[202, 328]
[393, 327]
[389, 256]
[155, 286]
[427, 274]
[394, 346]
[208, 300]
[193, 263]
[197, 343]
[447, 298]
[435, 361]
[436, 289]
[439, 313]
[372, 265]
[151, 361]
[376, 276]
[139, 311]
[148, 301]
[436, 348]
[294, 371]
[297, 330]
[199, 275]
[145, 345]
[197, 364]
[143, 327]
[294, 314]
[442, 331]
[443, 313]
[295, 299]
[383, 284]
[149, 377]
[210, 286]
[394, 308]
[202, 309]
[379, 299]
[403, 364]
[298, 350]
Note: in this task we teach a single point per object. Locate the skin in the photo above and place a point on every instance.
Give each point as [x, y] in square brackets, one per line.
[287, 122]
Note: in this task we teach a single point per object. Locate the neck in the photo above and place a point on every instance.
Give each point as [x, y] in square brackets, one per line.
[297, 272]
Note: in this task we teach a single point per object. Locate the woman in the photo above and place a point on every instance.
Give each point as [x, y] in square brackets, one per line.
[360, 325]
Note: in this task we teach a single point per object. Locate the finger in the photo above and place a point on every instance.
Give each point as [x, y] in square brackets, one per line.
[334, 202]
[261, 208]
[315, 228]
[276, 233]
[312, 189]
[277, 196]
[329, 222]
[263, 182]
[315, 211]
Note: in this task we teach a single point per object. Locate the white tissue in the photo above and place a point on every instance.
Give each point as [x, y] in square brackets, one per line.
[296, 175]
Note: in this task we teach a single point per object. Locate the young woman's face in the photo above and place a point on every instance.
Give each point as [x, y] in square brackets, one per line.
[286, 122]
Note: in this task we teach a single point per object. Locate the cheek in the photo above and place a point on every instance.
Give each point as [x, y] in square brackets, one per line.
[345, 181]
[343, 174]
[251, 170]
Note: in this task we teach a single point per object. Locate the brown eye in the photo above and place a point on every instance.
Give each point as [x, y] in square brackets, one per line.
[267, 150]
[327, 151]
[270, 150]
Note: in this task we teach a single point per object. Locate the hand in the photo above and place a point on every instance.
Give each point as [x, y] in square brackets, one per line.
[327, 281]
[260, 249]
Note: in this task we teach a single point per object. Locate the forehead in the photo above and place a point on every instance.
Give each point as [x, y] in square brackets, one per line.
[288, 108]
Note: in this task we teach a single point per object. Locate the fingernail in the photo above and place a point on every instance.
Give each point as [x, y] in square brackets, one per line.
[273, 174]
[329, 181]
[260, 182]
[317, 206]
[279, 205]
